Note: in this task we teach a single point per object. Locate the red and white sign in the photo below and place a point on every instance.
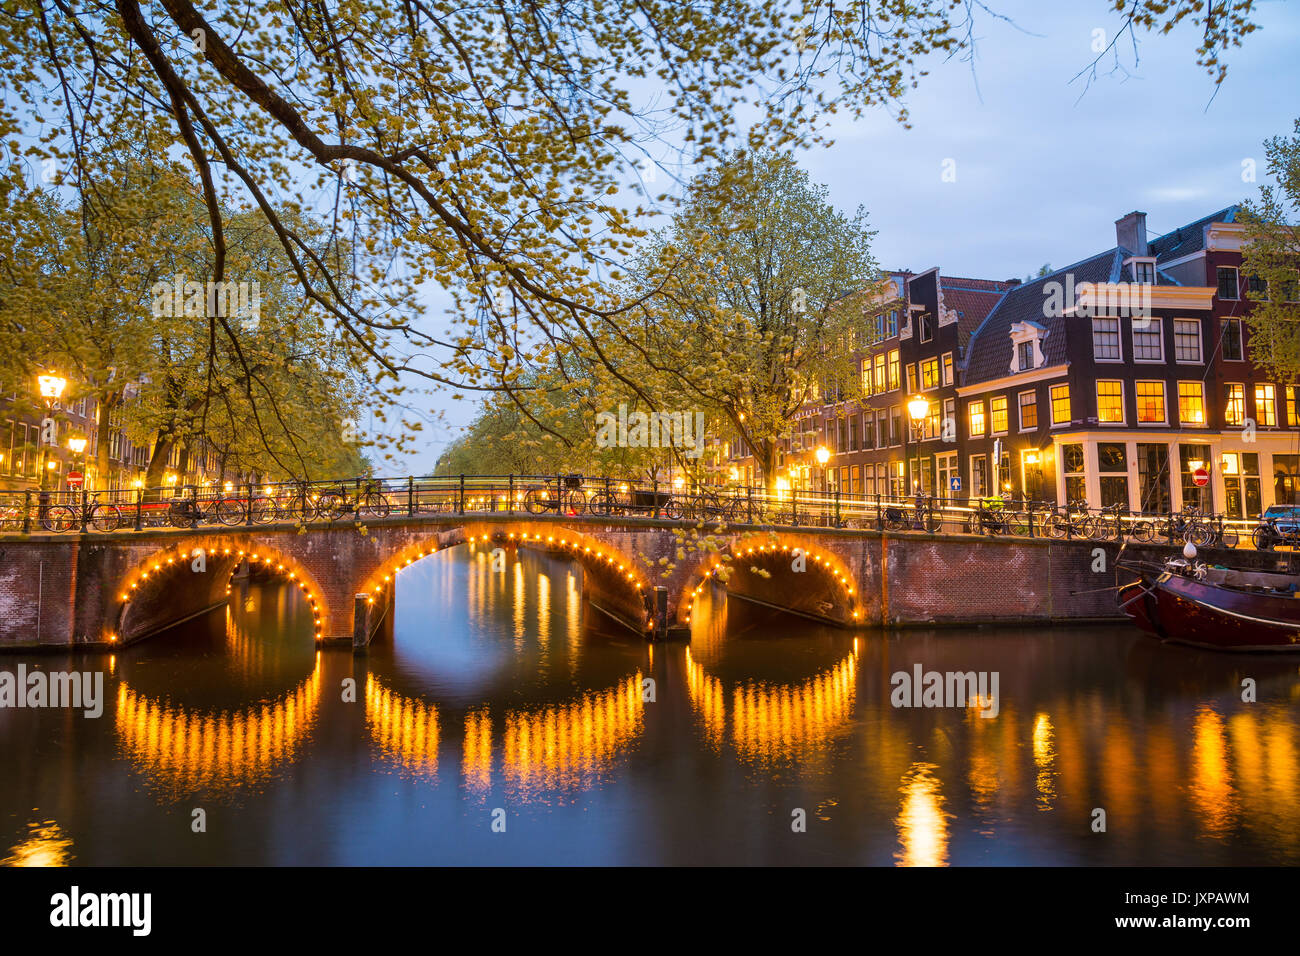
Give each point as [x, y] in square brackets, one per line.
[1201, 477]
[74, 479]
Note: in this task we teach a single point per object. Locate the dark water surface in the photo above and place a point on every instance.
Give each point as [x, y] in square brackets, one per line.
[499, 698]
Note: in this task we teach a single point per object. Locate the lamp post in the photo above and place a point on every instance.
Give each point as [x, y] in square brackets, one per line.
[823, 455]
[77, 445]
[51, 387]
[918, 410]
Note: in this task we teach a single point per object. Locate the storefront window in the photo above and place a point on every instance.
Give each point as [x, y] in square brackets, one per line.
[1112, 465]
[1072, 466]
[1192, 457]
[1153, 478]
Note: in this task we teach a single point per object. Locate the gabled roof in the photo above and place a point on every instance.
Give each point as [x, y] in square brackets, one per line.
[1190, 238]
[989, 356]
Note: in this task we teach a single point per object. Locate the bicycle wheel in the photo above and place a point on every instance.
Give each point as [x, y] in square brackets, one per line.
[61, 519]
[601, 503]
[575, 502]
[228, 511]
[1200, 535]
[537, 501]
[375, 504]
[672, 509]
[264, 510]
[1229, 538]
[331, 505]
[105, 518]
[1261, 539]
[1142, 530]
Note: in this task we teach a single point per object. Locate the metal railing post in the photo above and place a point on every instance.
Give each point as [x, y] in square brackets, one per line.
[139, 508]
[27, 512]
[837, 506]
[749, 503]
[410, 496]
[461, 508]
[510, 485]
[654, 495]
[248, 507]
[794, 507]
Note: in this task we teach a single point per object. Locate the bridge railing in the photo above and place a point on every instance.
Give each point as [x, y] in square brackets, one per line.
[363, 499]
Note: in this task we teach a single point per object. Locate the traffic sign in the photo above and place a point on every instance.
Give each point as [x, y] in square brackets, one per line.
[954, 483]
[1201, 477]
[74, 479]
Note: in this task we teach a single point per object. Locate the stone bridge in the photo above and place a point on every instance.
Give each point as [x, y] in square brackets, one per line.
[108, 590]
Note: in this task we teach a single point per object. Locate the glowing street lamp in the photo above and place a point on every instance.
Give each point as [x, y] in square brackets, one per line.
[918, 410]
[77, 444]
[51, 387]
[822, 455]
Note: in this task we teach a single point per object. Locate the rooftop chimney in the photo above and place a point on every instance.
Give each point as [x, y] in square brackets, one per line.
[1131, 233]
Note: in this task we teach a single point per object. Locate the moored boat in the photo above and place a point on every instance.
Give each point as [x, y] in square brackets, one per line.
[1218, 608]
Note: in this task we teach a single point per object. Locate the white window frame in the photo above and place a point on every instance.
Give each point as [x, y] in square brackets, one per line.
[1020, 410]
[1051, 406]
[1164, 393]
[1119, 339]
[1153, 324]
[992, 431]
[1123, 405]
[947, 369]
[985, 415]
[1205, 412]
[1200, 342]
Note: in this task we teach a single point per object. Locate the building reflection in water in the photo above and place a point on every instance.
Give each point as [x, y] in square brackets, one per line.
[922, 823]
[181, 750]
[44, 845]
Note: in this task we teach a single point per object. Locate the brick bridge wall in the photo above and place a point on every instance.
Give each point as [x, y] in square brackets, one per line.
[60, 590]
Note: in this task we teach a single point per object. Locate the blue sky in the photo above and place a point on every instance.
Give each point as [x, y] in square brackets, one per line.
[1043, 168]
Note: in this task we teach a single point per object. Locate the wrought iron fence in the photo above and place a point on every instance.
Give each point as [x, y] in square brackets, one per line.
[366, 499]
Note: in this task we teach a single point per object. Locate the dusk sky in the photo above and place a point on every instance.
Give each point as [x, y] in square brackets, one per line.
[1043, 165]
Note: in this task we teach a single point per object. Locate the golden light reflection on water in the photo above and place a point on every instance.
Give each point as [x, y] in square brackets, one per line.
[404, 729]
[1211, 786]
[1044, 760]
[569, 746]
[181, 751]
[44, 845]
[769, 721]
[922, 823]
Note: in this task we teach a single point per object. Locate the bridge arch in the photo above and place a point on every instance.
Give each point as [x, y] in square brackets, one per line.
[834, 577]
[149, 597]
[617, 581]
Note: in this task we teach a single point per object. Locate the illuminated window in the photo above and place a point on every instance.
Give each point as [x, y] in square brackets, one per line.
[866, 376]
[1191, 403]
[929, 374]
[880, 373]
[998, 407]
[1291, 418]
[1060, 404]
[1234, 404]
[1265, 405]
[1110, 402]
[1028, 410]
[1147, 341]
[977, 420]
[1150, 402]
[911, 378]
[894, 373]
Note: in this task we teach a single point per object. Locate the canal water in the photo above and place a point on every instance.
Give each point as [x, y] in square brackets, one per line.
[505, 723]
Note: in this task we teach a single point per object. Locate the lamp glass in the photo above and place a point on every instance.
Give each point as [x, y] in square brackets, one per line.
[823, 455]
[51, 386]
[78, 445]
[918, 408]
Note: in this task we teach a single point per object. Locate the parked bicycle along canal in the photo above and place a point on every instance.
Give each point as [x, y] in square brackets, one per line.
[766, 739]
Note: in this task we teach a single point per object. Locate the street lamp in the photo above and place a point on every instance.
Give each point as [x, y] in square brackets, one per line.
[77, 445]
[823, 455]
[918, 409]
[51, 387]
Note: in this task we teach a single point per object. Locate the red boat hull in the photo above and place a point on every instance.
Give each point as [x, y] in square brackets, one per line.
[1178, 608]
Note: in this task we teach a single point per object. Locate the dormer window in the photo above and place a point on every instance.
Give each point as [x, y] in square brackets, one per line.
[1027, 347]
[1144, 271]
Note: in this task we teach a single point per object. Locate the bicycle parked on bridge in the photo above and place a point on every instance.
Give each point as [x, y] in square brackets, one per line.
[98, 516]
[368, 502]
[566, 497]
